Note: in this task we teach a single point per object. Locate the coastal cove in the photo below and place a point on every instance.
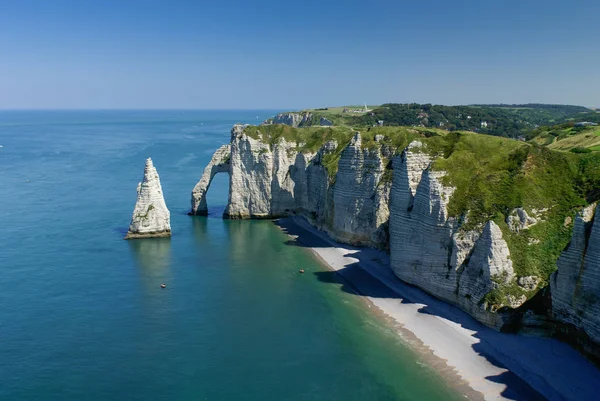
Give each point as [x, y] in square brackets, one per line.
[83, 316]
[489, 364]
[476, 221]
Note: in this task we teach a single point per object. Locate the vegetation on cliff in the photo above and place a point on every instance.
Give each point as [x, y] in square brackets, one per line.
[310, 139]
[494, 176]
[499, 120]
[307, 139]
[568, 136]
[509, 121]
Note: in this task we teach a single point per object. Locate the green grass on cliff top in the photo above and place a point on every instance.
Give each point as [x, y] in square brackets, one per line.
[567, 137]
[493, 176]
[310, 139]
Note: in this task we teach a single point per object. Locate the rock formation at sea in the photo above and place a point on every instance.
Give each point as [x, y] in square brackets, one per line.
[405, 212]
[150, 218]
[218, 164]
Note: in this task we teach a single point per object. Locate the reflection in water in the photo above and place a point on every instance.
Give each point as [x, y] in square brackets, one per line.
[208, 235]
[249, 239]
[153, 255]
[199, 227]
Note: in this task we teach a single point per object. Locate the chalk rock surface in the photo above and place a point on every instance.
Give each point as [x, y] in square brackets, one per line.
[575, 286]
[151, 218]
[218, 164]
[292, 119]
[431, 250]
[275, 180]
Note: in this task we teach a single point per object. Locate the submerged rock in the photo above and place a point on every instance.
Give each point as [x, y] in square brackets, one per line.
[151, 218]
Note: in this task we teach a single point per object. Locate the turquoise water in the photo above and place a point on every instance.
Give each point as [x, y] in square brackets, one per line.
[82, 316]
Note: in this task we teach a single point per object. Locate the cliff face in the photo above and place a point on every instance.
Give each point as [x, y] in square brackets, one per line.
[251, 174]
[151, 218]
[291, 119]
[575, 285]
[368, 190]
[430, 250]
[277, 180]
[219, 163]
[357, 193]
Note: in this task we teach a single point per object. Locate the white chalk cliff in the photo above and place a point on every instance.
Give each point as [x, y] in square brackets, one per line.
[298, 120]
[575, 286]
[218, 164]
[406, 213]
[292, 119]
[273, 181]
[430, 250]
[151, 218]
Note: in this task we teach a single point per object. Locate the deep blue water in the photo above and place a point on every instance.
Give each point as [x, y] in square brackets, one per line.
[82, 315]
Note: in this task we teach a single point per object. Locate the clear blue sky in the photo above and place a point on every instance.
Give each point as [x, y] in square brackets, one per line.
[280, 54]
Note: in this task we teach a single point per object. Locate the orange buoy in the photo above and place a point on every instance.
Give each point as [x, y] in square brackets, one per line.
[301, 270]
[163, 286]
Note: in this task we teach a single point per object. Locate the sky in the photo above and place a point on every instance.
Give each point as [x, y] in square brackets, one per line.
[267, 54]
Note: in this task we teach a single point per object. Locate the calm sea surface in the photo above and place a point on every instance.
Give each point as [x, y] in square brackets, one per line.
[82, 315]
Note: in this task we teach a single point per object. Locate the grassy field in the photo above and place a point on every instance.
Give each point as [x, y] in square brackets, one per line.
[569, 138]
[337, 116]
[493, 176]
[590, 139]
[339, 110]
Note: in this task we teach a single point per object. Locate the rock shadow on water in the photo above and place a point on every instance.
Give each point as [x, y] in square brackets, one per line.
[249, 240]
[216, 212]
[153, 259]
[355, 279]
[122, 231]
[200, 228]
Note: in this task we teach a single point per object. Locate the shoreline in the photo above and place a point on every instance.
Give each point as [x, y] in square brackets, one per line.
[476, 360]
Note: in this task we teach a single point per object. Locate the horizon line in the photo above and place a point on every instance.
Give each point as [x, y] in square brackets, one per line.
[596, 108]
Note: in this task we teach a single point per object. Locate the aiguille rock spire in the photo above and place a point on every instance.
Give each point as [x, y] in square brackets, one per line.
[151, 218]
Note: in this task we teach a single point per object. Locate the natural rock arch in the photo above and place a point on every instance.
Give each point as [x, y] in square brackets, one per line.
[219, 163]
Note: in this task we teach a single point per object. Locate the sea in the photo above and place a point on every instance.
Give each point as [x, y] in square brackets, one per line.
[82, 312]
